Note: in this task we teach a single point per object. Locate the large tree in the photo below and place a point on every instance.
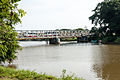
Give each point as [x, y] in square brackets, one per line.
[10, 15]
[107, 15]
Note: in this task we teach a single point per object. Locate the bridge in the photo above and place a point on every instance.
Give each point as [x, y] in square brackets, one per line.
[53, 36]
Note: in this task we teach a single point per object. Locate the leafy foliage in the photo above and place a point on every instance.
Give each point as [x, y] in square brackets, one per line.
[9, 16]
[107, 15]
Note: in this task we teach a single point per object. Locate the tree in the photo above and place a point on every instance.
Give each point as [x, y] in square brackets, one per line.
[10, 15]
[81, 29]
[107, 15]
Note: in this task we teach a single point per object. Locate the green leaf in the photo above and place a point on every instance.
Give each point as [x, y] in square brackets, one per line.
[23, 13]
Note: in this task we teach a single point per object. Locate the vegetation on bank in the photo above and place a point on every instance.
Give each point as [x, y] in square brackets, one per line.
[13, 74]
[68, 39]
[107, 16]
[81, 29]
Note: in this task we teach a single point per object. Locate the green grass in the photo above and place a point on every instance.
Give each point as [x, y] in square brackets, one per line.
[13, 74]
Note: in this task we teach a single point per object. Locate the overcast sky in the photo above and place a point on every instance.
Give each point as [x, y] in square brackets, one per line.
[56, 14]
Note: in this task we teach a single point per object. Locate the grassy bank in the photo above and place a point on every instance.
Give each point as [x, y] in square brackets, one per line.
[68, 39]
[13, 74]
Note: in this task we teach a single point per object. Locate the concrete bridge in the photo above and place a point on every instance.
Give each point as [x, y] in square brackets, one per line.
[53, 35]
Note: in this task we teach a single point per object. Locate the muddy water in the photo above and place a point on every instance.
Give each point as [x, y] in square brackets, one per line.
[92, 62]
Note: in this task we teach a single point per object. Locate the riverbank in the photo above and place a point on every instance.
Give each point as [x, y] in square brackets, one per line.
[13, 74]
[68, 39]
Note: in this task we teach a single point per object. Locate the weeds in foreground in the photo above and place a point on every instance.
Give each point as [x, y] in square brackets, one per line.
[13, 74]
[64, 76]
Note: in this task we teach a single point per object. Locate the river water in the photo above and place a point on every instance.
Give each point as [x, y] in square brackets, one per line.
[90, 61]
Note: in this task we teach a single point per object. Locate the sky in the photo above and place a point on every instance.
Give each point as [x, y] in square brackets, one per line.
[56, 14]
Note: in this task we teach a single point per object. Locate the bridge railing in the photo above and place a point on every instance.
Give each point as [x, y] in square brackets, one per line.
[28, 34]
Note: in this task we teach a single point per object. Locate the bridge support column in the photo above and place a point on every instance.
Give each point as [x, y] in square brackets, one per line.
[54, 41]
[82, 39]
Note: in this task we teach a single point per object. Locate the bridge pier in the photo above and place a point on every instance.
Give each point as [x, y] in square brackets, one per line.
[54, 41]
[82, 39]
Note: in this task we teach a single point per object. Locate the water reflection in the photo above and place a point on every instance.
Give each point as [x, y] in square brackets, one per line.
[107, 65]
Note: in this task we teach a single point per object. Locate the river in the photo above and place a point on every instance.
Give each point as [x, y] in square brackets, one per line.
[90, 61]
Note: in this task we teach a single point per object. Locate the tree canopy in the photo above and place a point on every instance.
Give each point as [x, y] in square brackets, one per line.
[10, 15]
[107, 16]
